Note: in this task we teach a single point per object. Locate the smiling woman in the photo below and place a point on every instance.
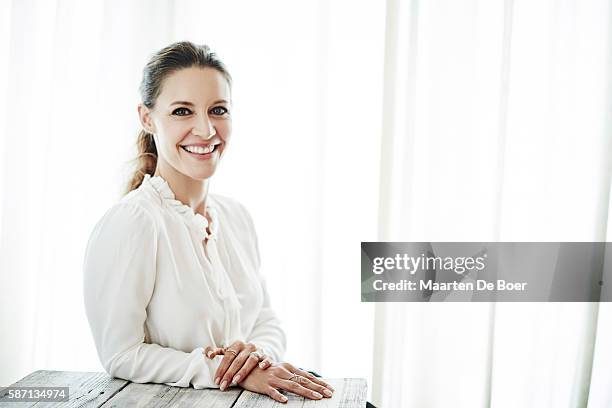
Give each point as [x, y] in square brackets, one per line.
[191, 125]
[172, 287]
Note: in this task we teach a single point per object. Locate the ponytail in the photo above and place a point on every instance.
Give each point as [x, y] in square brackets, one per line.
[146, 159]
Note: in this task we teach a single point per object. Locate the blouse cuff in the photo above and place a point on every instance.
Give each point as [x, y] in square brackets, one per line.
[199, 373]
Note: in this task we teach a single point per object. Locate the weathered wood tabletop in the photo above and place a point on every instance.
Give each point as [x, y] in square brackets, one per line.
[88, 389]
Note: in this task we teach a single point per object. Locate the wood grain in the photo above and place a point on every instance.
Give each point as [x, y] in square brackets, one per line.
[91, 389]
[159, 395]
[87, 389]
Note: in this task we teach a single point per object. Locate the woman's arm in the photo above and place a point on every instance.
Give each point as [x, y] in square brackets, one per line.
[119, 277]
[267, 332]
[266, 335]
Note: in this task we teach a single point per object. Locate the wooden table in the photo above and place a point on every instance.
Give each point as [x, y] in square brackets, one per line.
[100, 390]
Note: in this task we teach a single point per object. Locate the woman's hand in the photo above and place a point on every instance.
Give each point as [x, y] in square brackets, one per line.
[286, 377]
[238, 361]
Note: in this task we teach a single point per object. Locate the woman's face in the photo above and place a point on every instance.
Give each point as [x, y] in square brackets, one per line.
[191, 116]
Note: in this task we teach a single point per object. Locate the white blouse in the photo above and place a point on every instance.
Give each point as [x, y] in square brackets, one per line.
[158, 288]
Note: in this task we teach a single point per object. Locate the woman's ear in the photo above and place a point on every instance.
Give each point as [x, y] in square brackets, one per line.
[145, 118]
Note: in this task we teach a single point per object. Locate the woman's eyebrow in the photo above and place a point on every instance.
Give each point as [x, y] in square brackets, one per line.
[181, 103]
[191, 104]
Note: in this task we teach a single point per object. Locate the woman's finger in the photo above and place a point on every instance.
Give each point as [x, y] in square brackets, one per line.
[275, 395]
[211, 352]
[298, 389]
[247, 366]
[306, 374]
[230, 354]
[312, 378]
[265, 363]
[236, 365]
[207, 351]
[306, 383]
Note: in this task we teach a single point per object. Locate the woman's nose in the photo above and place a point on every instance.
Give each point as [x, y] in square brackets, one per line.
[204, 128]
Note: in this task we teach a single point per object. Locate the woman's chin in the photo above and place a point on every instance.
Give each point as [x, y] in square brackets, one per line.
[201, 174]
[200, 167]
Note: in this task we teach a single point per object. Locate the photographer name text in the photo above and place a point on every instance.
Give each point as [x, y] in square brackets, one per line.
[478, 285]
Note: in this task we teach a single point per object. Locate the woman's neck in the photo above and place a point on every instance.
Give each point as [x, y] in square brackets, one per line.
[187, 190]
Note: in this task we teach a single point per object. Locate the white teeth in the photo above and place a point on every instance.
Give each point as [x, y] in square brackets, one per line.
[200, 149]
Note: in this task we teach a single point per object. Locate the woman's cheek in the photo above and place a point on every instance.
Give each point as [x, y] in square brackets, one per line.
[226, 133]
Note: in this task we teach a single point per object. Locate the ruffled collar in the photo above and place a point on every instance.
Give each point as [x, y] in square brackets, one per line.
[195, 220]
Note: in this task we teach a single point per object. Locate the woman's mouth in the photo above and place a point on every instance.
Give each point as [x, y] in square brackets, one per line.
[201, 152]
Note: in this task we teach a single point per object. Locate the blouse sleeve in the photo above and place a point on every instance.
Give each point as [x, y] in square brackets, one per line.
[267, 332]
[119, 278]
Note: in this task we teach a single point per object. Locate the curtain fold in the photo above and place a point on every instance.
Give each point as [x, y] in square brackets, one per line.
[496, 128]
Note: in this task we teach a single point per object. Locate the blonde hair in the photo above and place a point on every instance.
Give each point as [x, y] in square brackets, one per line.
[169, 59]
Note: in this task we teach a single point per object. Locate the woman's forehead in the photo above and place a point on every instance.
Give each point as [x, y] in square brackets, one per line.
[196, 85]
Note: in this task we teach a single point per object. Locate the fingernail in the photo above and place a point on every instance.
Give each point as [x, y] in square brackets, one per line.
[209, 353]
[217, 380]
[236, 379]
[327, 393]
[223, 385]
[283, 398]
[262, 364]
[316, 394]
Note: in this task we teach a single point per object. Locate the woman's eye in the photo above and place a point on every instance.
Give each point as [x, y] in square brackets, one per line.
[219, 110]
[181, 111]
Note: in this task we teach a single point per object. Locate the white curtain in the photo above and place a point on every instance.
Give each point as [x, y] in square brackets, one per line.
[496, 128]
[353, 121]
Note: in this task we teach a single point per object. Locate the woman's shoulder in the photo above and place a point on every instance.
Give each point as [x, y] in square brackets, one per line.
[231, 209]
[137, 210]
[125, 227]
[228, 205]
[125, 218]
[125, 235]
[145, 196]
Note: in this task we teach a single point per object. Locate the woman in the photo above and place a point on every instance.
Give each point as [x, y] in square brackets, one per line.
[172, 287]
